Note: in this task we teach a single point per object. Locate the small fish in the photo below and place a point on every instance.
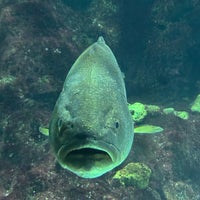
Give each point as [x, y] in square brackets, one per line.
[91, 129]
[148, 129]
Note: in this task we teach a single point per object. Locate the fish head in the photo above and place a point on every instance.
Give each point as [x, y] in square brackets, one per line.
[88, 148]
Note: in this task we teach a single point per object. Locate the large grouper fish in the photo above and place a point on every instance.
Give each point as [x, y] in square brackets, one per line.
[91, 129]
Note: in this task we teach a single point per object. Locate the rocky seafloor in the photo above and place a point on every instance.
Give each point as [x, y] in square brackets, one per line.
[157, 46]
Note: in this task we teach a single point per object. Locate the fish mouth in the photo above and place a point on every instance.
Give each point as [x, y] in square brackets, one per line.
[88, 160]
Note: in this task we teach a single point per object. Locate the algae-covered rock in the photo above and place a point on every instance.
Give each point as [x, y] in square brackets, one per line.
[152, 109]
[134, 174]
[196, 104]
[168, 111]
[182, 114]
[138, 111]
[178, 191]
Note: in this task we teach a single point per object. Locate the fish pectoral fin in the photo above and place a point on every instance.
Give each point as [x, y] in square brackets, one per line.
[44, 131]
[148, 129]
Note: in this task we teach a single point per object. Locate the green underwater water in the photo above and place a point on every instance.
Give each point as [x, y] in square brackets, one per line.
[157, 46]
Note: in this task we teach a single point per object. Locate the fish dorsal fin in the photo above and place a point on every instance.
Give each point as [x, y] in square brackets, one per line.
[101, 39]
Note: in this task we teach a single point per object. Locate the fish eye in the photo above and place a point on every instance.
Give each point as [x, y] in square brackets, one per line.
[116, 124]
[71, 126]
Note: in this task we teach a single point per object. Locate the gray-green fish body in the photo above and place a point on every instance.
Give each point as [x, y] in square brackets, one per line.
[91, 129]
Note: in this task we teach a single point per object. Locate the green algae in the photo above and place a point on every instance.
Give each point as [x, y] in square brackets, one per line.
[168, 111]
[196, 104]
[182, 114]
[134, 174]
[138, 111]
[152, 109]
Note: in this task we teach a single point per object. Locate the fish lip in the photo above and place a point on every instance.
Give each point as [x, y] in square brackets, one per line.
[82, 158]
[102, 146]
